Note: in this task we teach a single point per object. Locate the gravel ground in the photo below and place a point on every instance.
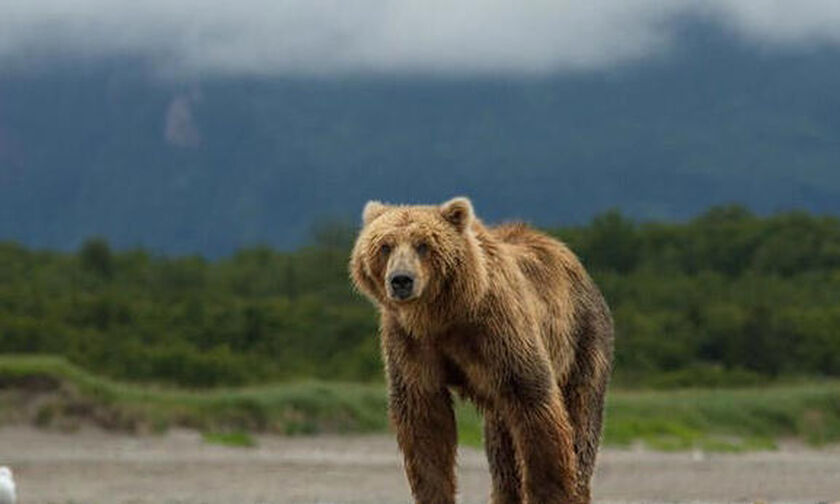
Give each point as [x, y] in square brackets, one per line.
[94, 467]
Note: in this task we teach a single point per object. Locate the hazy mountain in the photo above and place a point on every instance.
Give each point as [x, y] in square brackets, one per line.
[104, 147]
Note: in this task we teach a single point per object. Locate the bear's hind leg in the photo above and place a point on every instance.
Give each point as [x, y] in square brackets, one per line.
[585, 408]
[584, 394]
[504, 468]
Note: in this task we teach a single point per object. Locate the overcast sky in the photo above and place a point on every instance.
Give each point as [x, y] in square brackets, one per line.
[359, 36]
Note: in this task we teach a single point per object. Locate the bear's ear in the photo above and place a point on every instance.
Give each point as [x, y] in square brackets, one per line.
[373, 209]
[459, 212]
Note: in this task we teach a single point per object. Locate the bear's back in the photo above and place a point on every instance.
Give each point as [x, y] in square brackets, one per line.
[545, 261]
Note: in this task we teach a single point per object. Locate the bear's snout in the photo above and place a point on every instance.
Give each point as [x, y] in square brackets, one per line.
[402, 285]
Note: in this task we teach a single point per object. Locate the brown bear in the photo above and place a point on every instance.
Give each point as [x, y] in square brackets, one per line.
[508, 318]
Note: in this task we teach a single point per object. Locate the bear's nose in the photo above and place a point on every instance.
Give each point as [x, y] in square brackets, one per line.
[402, 285]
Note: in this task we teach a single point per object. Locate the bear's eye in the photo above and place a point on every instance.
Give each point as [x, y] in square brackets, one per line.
[385, 249]
[422, 248]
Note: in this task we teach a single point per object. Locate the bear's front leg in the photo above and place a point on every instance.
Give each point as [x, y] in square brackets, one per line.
[501, 455]
[420, 407]
[426, 433]
[542, 435]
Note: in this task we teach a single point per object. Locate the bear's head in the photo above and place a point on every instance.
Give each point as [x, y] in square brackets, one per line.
[409, 255]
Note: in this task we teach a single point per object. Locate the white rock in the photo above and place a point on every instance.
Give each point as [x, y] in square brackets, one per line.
[7, 486]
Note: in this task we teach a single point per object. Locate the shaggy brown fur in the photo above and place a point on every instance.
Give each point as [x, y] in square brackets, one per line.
[507, 317]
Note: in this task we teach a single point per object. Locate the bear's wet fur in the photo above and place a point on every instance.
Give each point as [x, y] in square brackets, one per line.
[507, 317]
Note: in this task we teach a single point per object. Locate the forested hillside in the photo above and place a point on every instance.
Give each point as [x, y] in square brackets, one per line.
[218, 163]
[726, 298]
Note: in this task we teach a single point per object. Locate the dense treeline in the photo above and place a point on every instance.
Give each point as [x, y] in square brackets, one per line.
[728, 297]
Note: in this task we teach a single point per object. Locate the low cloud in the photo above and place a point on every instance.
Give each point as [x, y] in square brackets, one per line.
[780, 22]
[388, 36]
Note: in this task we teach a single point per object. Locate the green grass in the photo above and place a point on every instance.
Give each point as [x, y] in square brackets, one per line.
[726, 419]
[236, 438]
[50, 392]
[69, 393]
